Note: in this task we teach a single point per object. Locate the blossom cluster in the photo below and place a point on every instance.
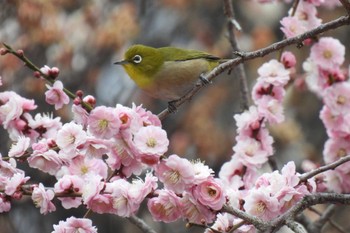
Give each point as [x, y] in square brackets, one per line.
[93, 157]
[326, 77]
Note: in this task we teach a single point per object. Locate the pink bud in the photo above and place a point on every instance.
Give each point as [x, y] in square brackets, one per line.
[288, 59]
[20, 52]
[77, 101]
[37, 74]
[53, 72]
[3, 51]
[79, 93]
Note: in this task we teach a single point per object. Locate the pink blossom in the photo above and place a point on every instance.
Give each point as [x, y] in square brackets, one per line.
[47, 161]
[147, 117]
[337, 125]
[261, 204]
[14, 183]
[73, 224]
[231, 173]
[337, 180]
[176, 173]
[224, 223]
[210, 193]
[13, 106]
[7, 170]
[19, 148]
[94, 147]
[123, 204]
[70, 136]
[151, 142]
[201, 172]
[289, 173]
[273, 72]
[165, 207]
[69, 184]
[262, 89]
[82, 165]
[45, 125]
[288, 59]
[306, 13]
[92, 196]
[139, 189]
[250, 152]
[328, 52]
[337, 98]
[195, 212]
[103, 122]
[292, 26]
[335, 149]
[80, 115]
[248, 121]
[42, 198]
[271, 109]
[5, 204]
[56, 96]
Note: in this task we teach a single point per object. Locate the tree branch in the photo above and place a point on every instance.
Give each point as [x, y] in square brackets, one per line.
[305, 202]
[346, 5]
[304, 177]
[239, 70]
[341, 21]
[141, 224]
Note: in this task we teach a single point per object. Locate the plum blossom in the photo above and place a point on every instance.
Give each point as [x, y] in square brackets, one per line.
[73, 224]
[274, 72]
[328, 52]
[46, 161]
[19, 148]
[103, 122]
[42, 198]
[5, 204]
[337, 98]
[210, 193]
[195, 212]
[69, 184]
[151, 142]
[165, 207]
[176, 173]
[56, 96]
[261, 204]
[15, 182]
[70, 136]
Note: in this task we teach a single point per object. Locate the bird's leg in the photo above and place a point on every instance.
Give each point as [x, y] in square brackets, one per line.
[203, 79]
[171, 106]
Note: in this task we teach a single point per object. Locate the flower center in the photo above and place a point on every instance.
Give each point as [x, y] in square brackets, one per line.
[102, 124]
[261, 207]
[341, 100]
[327, 54]
[341, 152]
[151, 142]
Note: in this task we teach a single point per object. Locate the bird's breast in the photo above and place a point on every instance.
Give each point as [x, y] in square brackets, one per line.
[176, 78]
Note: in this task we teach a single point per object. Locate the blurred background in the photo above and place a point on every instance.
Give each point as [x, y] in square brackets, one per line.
[84, 38]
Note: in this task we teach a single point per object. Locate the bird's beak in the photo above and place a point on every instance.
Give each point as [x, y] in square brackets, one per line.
[122, 62]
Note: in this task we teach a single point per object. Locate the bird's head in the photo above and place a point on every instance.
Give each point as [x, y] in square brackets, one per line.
[141, 62]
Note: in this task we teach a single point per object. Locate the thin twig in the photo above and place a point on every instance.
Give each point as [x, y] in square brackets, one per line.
[239, 70]
[324, 218]
[341, 21]
[304, 203]
[141, 224]
[33, 67]
[304, 177]
[346, 5]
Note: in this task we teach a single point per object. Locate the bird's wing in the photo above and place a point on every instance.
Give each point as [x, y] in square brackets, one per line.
[178, 54]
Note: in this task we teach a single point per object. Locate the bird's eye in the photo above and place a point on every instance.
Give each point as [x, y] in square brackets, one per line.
[137, 59]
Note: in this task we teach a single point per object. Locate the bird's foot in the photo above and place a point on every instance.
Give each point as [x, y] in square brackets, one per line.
[172, 106]
[204, 80]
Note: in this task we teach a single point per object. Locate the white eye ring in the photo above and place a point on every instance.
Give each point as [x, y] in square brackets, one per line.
[137, 59]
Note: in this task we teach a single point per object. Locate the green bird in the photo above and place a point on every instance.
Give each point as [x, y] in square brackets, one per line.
[166, 73]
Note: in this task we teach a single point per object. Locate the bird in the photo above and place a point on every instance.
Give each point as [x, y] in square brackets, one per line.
[167, 73]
